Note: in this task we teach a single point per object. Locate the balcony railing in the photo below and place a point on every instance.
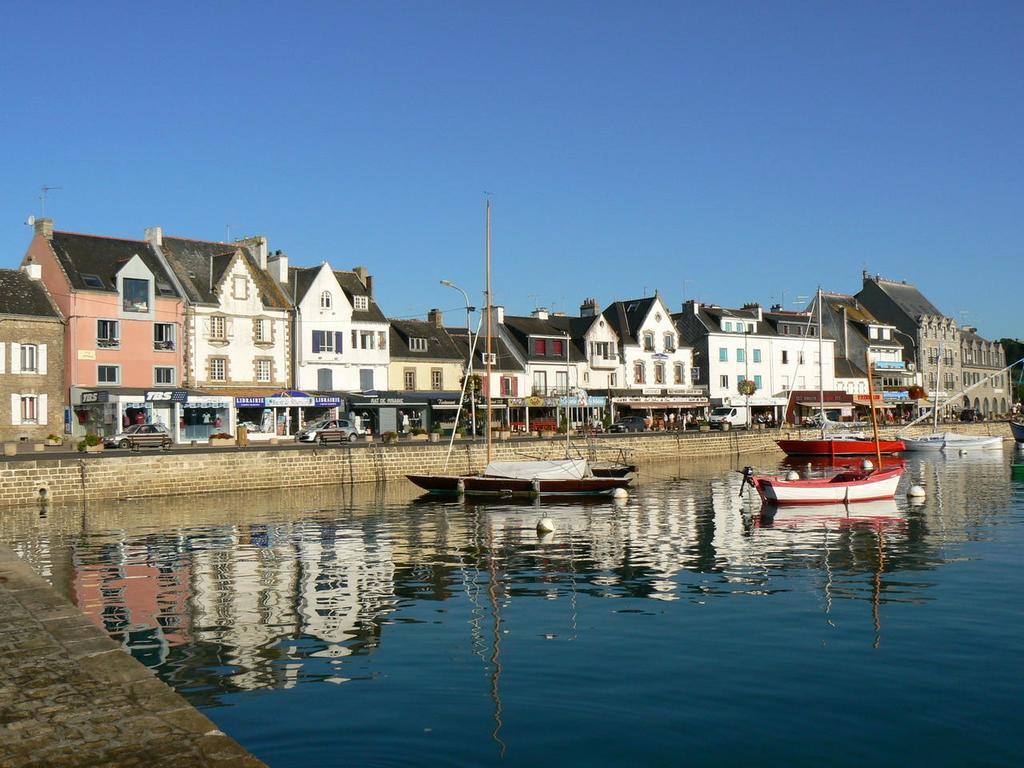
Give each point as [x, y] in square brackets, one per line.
[163, 346]
[108, 343]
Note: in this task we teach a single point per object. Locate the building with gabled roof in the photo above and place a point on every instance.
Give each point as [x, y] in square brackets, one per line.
[31, 357]
[124, 330]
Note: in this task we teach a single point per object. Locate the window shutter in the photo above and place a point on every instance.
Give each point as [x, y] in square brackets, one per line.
[316, 341]
[3, 356]
[15, 359]
[339, 338]
[229, 327]
[41, 359]
[41, 407]
[15, 409]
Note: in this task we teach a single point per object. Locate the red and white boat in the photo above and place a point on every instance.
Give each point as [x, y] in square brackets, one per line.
[840, 445]
[846, 487]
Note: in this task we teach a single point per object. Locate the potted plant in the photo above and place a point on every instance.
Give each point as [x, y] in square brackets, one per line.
[52, 439]
[389, 437]
[417, 433]
[435, 435]
[91, 443]
[218, 439]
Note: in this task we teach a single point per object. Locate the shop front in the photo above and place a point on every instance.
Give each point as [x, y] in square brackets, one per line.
[398, 412]
[187, 414]
[284, 414]
[891, 407]
[533, 414]
[806, 404]
[764, 409]
[661, 409]
[584, 411]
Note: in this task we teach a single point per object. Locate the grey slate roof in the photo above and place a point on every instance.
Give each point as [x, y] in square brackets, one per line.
[103, 256]
[20, 295]
[522, 328]
[907, 298]
[191, 260]
[299, 281]
[353, 286]
[626, 317]
[506, 360]
[847, 370]
[440, 345]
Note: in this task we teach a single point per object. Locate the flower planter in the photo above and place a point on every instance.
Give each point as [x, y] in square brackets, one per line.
[504, 435]
[53, 443]
[38, 447]
[221, 442]
[10, 449]
[435, 437]
[94, 448]
[547, 433]
[419, 438]
[704, 428]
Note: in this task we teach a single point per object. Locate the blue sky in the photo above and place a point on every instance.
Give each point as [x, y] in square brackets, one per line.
[729, 152]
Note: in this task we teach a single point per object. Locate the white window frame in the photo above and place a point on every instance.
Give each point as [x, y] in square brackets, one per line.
[259, 330]
[117, 371]
[156, 375]
[29, 366]
[326, 300]
[360, 303]
[214, 361]
[172, 337]
[33, 402]
[110, 343]
[218, 333]
[417, 344]
[266, 363]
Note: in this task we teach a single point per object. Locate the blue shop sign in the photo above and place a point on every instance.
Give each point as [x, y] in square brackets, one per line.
[249, 402]
[890, 365]
[326, 401]
[904, 395]
[101, 396]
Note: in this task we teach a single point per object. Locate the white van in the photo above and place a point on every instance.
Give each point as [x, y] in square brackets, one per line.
[733, 415]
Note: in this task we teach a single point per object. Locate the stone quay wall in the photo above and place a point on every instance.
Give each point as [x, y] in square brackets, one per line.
[128, 475]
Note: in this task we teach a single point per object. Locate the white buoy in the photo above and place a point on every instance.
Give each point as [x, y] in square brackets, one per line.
[963, 451]
[866, 465]
[916, 492]
[545, 525]
[792, 475]
[620, 493]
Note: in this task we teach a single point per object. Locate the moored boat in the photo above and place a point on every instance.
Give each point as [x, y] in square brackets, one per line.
[951, 441]
[839, 445]
[1018, 431]
[842, 488]
[566, 477]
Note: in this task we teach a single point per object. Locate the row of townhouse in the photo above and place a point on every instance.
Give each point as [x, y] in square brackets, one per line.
[99, 333]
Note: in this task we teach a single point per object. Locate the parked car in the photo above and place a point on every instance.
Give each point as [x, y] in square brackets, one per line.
[971, 414]
[331, 431]
[629, 424]
[140, 436]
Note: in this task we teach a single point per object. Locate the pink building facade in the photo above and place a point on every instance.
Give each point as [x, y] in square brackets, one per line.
[124, 322]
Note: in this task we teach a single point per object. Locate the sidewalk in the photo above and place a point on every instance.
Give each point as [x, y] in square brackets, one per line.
[70, 696]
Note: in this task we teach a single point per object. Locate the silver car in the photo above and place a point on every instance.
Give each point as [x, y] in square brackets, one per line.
[330, 430]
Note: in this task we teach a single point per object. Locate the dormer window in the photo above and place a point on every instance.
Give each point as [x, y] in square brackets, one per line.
[417, 345]
[360, 303]
[92, 281]
[326, 300]
[135, 294]
[727, 326]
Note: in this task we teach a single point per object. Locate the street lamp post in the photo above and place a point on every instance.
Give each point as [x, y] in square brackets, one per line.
[469, 357]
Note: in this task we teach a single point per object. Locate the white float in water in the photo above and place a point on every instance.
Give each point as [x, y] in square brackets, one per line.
[793, 474]
[545, 525]
[620, 493]
[916, 492]
[866, 465]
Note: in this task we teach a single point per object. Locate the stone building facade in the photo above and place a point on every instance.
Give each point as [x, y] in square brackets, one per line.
[982, 362]
[31, 358]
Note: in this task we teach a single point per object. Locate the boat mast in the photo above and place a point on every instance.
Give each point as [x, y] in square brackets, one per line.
[871, 400]
[489, 323]
[567, 340]
[821, 367]
[938, 383]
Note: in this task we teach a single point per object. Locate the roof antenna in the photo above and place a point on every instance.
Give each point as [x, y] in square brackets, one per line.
[44, 191]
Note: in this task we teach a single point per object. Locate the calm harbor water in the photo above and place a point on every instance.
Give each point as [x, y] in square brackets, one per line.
[365, 627]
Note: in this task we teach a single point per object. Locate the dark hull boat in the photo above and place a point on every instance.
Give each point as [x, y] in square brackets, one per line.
[1018, 431]
[483, 485]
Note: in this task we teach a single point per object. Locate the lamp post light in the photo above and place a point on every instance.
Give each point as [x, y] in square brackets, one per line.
[469, 356]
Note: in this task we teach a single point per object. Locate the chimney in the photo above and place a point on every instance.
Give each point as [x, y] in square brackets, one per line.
[752, 306]
[154, 236]
[277, 266]
[44, 227]
[539, 313]
[369, 286]
[589, 308]
[692, 306]
[497, 316]
[436, 318]
[33, 270]
[258, 245]
[361, 273]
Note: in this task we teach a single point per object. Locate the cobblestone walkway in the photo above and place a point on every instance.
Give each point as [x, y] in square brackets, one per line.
[70, 697]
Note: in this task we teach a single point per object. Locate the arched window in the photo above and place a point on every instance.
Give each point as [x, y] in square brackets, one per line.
[325, 300]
